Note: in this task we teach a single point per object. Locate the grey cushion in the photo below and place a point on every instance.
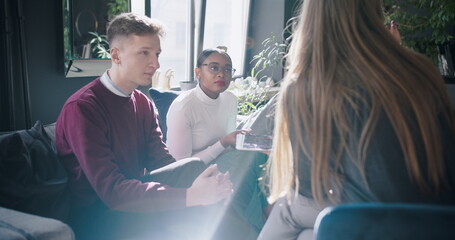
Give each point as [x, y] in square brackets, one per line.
[16, 225]
[50, 131]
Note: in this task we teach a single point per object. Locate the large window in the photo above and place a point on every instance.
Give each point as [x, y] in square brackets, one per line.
[225, 24]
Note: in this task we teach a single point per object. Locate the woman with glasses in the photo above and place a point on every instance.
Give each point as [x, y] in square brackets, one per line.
[202, 123]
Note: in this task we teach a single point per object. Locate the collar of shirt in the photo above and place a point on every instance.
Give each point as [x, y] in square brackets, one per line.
[204, 98]
[109, 84]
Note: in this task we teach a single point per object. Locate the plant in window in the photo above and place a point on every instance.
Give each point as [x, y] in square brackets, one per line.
[251, 94]
[254, 91]
[269, 58]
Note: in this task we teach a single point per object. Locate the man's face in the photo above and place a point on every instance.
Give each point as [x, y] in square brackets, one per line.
[138, 60]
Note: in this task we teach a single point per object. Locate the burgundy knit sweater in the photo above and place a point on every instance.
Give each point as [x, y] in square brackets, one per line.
[105, 141]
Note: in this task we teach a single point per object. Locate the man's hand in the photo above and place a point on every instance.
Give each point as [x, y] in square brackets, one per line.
[210, 187]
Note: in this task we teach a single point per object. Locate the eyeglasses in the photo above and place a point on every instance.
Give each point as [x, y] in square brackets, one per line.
[215, 69]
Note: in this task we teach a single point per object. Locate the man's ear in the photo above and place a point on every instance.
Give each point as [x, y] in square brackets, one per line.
[115, 55]
[197, 71]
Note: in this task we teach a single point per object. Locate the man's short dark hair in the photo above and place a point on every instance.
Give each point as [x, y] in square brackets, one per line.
[127, 24]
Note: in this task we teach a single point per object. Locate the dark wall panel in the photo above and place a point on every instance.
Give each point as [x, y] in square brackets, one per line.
[49, 88]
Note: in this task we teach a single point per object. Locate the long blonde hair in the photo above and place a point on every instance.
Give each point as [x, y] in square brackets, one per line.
[340, 53]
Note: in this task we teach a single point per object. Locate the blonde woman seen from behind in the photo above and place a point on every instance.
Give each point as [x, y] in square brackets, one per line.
[360, 119]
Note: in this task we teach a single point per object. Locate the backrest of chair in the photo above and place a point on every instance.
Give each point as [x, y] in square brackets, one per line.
[371, 221]
[50, 131]
[162, 101]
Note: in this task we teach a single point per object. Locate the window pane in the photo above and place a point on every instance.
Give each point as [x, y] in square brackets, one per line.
[173, 13]
[138, 6]
[226, 24]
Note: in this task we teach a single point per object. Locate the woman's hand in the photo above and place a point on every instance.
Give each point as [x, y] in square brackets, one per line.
[210, 187]
[230, 139]
[393, 29]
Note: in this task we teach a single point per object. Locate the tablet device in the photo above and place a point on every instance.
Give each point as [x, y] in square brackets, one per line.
[251, 142]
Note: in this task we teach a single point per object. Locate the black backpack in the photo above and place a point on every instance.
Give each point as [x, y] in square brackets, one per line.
[32, 178]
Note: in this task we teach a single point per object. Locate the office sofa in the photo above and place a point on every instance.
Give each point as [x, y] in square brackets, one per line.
[33, 195]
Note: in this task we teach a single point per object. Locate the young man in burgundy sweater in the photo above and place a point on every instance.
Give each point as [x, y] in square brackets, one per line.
[108, 139]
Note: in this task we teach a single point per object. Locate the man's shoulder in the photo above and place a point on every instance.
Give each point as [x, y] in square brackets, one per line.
[140, 96]
[86, 93]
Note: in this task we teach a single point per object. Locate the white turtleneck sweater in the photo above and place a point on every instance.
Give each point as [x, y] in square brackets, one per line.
[196, 123]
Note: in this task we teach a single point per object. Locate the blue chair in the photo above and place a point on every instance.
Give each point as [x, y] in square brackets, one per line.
[371, 221]
[163, 100]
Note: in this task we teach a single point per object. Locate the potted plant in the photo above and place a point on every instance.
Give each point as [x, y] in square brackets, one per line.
[271, 57]
[99, 45]
[255, 90]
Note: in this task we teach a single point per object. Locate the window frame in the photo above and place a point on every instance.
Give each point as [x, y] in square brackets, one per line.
[196, 27]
